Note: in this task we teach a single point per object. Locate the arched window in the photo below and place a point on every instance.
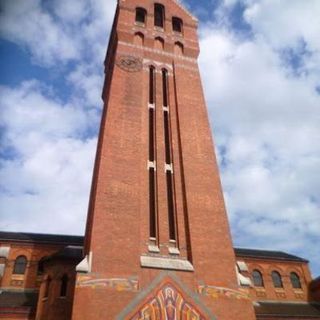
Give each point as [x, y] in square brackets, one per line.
[159, 43]
[141, 15]
[158, 15]
[64, 286]
[295, 280]
[276, 279]
[138, 39]
[20, 265]
[257, 278]
[47, 287]
[177, 24]
[178, 48]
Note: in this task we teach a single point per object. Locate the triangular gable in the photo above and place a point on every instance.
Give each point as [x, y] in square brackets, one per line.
[167, 298]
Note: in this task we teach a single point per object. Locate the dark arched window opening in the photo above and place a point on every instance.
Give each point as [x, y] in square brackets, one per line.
[158, 15]
[47, 288]
[141, 15]
[257, 278]
[20, 265]
[64, 286]
[276, 279]
[295, 280]
[177, 24]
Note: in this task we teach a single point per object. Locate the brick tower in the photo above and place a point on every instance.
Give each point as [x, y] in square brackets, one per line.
[157, 243]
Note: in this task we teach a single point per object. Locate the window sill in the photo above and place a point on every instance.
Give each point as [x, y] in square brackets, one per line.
[140, 24]
[158, 29]
[177, 34]
[259, 288]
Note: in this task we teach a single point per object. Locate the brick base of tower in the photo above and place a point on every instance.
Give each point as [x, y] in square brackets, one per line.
[122, 298]
[158, 243]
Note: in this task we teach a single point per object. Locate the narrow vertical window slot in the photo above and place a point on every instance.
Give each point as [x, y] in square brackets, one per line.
[151, 135]
[166, 116]
[167, 137]
[152, 158]
[165, 87]
[151, 84]
[152, 203]
[171, 218]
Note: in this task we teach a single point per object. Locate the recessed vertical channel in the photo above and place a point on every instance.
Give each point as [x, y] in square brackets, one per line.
[171, 217]
[168, 157]
[152, 166]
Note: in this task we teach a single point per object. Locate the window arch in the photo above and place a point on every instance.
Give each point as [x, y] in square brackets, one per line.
[159, 15]
[64, 285]
[138, 39]
[178, 48]
[177, 24]
[159, 43]
[257, 278]
[141, 15]
[20, 265]
[295, 280]
[276, 279]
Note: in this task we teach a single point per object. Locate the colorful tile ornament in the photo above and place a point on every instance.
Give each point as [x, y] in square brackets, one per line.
[167, 304]
[217, 292]
[119, 284]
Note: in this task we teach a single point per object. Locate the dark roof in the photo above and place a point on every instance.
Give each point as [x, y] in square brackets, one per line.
[67, 253]
[78, 241]
[10, 299]
[41, 238]
[266, 254]
[292, 310]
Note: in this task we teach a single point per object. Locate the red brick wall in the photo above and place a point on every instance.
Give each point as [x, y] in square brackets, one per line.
[287, 293]
[33, 252]
[55, 306]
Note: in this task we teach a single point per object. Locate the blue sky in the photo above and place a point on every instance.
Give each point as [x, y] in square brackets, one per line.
[260, 70]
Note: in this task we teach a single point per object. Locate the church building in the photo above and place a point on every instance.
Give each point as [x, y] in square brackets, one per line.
[157, 244]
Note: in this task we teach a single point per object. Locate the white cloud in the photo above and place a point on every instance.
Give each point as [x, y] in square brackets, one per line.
[77, 29]
[47, 176]
[266, 121]
[26, 22]
[88, 85]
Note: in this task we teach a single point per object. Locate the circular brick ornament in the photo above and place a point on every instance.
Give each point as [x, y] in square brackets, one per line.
[129, 63]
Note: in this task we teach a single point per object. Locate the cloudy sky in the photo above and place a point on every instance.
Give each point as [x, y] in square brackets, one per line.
[260, 62]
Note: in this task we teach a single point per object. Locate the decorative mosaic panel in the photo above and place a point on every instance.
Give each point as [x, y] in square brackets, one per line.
[118, 284]
[167, 304]
[216, 292]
